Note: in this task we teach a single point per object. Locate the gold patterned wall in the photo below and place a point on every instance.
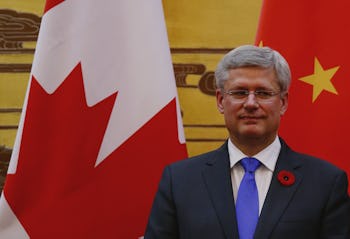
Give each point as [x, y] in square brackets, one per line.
[200, 32]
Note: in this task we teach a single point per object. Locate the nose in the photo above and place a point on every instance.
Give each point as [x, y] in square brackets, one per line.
[251, 100]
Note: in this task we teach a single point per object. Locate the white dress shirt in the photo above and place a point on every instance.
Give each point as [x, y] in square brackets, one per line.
[263, 175]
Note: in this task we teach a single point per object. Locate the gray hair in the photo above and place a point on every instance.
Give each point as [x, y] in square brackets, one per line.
[248, 55]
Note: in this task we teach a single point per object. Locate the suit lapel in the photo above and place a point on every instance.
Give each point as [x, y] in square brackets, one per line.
[217, 178]
[278, 196]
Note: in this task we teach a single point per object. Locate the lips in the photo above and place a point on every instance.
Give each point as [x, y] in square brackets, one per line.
[250, 117]
[250, 120]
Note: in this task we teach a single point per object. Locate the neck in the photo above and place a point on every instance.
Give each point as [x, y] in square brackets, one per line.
[252, 146]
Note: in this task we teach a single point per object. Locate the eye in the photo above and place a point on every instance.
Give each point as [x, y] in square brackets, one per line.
[239, 93]
[264, 94]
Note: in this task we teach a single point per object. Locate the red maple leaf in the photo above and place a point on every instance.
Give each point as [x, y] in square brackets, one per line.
[57, 192]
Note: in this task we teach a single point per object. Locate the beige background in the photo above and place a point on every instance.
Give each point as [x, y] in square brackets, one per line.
[200, 32]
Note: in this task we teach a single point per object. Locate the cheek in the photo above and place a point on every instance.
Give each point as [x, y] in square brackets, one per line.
[230, 110]
[273, 114]
[231, 118]
[275, 117]
[277, 109]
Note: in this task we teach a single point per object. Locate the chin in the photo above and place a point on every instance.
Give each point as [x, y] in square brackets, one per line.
[252, 131]
[251, 134]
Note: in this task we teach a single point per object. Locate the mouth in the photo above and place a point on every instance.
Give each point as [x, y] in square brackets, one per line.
[250, 118]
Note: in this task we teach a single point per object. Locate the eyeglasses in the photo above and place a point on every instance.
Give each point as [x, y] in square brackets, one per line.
[260, 95]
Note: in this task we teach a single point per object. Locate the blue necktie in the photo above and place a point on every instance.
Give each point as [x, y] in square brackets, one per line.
[247, 203]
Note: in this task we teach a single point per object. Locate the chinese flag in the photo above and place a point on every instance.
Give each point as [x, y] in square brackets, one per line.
[99, 123]
[314, 37]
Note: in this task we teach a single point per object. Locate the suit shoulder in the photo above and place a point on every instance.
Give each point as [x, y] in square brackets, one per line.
[316, 163]
[201, 159]
[306, 160]
[195, 160]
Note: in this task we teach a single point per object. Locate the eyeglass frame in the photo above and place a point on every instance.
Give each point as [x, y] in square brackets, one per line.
[269, 94]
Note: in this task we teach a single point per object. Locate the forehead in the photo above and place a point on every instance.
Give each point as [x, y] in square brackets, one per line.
[252, 77]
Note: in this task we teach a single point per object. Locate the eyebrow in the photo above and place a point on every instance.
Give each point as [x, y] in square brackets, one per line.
[257, 88]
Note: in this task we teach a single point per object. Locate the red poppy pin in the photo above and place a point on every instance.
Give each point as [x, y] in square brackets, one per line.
[286, 178]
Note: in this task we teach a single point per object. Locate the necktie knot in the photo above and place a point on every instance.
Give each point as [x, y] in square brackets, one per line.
[250, 164]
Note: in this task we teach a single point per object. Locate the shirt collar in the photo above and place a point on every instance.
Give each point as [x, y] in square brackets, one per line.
[268, 156]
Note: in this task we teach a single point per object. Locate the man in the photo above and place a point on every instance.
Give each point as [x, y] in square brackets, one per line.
[285, 195]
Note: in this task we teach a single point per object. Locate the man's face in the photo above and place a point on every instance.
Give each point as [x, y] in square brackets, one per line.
[252, 118]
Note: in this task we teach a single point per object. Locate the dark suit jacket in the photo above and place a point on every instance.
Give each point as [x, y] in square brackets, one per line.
[195, 200]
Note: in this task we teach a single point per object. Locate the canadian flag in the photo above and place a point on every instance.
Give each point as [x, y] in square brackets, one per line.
[100, 121]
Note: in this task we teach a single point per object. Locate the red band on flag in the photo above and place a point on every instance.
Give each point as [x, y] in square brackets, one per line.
[51, 4]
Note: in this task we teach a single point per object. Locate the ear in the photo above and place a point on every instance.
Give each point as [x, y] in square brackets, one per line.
[219, 100]
[284, 103]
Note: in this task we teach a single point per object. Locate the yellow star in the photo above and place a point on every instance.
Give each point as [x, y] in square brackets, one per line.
[321, 80]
